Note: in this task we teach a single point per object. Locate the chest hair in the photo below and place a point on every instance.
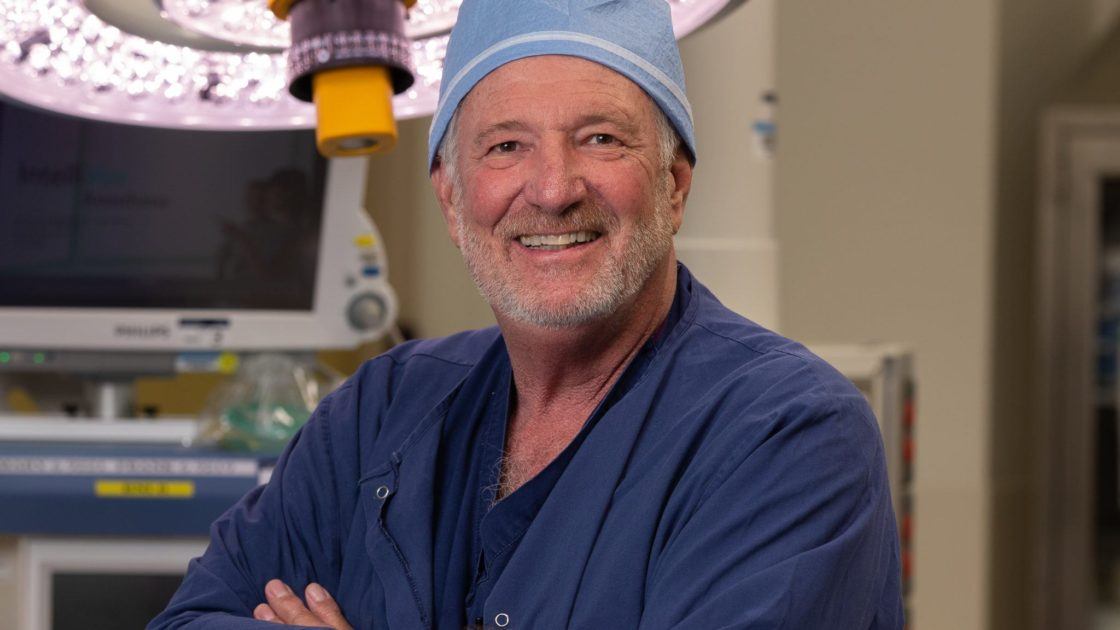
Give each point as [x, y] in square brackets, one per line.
[531, 444]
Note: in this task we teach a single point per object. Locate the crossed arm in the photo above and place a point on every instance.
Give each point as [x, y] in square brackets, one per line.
[285, 607]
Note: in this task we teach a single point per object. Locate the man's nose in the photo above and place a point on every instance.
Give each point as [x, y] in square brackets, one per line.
[556, 181]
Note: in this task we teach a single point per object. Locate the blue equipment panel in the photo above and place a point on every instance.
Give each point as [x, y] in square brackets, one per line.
[120, 489]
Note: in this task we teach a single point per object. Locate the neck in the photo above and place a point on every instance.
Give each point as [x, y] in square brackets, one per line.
[573, 368]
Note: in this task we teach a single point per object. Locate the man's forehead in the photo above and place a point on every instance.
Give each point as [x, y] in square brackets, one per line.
[558, 82]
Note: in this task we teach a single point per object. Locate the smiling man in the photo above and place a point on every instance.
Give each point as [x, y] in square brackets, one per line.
[621, 451]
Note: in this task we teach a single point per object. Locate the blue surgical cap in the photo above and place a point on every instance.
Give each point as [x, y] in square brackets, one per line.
[632, 37]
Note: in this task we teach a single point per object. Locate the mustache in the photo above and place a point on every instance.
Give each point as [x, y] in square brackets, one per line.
[582, 218]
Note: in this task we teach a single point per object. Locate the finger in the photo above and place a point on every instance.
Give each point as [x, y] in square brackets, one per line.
[287, 606]
[324, 607]
[264, 612]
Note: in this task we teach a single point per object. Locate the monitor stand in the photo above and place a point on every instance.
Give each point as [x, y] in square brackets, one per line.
[110, 400]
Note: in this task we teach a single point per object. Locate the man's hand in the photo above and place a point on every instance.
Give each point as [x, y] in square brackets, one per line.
[285, 607]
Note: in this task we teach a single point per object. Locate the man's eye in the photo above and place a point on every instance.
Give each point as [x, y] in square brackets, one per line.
[509, 146]
[602, 138]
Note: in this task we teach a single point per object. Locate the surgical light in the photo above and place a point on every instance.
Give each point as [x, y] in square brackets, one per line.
[349, 57]
[204, 64]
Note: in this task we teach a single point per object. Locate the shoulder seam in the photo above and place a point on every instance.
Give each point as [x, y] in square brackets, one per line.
[747, 346]
[818, 384]
[426, 355]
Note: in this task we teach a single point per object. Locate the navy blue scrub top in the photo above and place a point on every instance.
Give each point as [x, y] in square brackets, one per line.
[489, 532]
[729, 479]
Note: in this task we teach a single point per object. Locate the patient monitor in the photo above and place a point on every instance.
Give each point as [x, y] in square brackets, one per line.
[138, 250]
[129, 238]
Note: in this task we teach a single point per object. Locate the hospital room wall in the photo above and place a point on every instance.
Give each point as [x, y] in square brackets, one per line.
[885, 195]
[905, 198]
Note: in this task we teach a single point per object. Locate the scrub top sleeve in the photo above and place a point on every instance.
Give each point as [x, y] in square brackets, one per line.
[796, 530]
[287, 529]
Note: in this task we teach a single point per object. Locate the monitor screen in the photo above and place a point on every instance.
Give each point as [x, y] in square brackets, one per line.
[102, 215]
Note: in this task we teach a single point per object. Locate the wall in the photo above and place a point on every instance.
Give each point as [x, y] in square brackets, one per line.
[1102, 15]
[906, 202]
[885, 192]
[727, 238]
[1030, 76]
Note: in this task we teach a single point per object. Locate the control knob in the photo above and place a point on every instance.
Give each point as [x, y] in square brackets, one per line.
[367, 311]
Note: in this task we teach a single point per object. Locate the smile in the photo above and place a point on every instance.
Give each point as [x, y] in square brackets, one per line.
[551, 242]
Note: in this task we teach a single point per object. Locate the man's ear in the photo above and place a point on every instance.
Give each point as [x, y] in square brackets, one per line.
[681, 172]
[445, 194]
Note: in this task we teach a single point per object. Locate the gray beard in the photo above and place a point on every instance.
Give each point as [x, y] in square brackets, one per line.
[615, 283]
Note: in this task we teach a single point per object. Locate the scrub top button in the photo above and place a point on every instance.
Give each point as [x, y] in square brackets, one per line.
[501, 620]
[382, 492]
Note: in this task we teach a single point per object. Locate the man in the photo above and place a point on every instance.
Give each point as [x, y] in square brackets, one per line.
[621, 451]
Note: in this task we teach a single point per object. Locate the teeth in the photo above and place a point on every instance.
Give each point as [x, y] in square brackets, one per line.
[556, 241]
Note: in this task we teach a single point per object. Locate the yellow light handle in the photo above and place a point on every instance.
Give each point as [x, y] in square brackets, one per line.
[355, 111]
[281, 8]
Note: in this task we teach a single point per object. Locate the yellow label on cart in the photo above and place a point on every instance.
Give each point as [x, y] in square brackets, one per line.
[143, 489]
[227, 363]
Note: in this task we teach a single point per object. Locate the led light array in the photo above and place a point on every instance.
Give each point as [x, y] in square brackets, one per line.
[251, 22]
[73, 55]
[58, 55]
[80, 50]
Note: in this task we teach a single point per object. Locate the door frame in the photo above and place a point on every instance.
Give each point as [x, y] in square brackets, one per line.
[1079, 146]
